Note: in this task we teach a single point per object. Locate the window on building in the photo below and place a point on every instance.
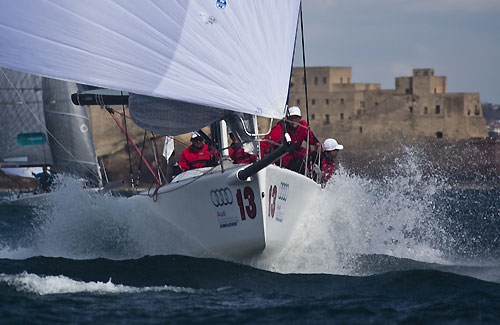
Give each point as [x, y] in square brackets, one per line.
[438, 109]
[416, 73]
[426, 110]
[342, 100]
[425, 73]
[435, 91]
[360, 129]
[376, 103]
[341, 79]
[439, 135]
[348, 80]
[312, 116]
[327, 119]
[407, 90]
[298, 102]
[327, 101]
[313, 101]
[476, 110]
[315, 80]
[411, 109]
[362, 103]
[341, 116]
[324, 80]
[468, 112]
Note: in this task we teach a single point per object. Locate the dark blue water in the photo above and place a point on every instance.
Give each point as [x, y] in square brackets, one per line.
[370, 252]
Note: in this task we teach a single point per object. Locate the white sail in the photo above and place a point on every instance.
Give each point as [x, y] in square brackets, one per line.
[228, 54]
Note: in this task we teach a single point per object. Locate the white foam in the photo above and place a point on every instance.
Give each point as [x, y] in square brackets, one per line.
[75, 224]
[359, 216]
[47, 285]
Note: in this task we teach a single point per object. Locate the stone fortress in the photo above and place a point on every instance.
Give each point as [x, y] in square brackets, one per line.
[364, 116]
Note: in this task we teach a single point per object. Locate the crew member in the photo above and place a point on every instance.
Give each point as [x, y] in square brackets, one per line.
[197, 155]
[45, 179]
[237, 154]
[298, 131]
[330, 153]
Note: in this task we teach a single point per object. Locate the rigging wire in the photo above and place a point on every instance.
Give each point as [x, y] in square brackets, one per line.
[132, 184]
[140, 158]
[305, 85]
[43, 125]
[304, 62]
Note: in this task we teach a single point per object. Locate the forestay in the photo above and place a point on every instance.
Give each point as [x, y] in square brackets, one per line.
[224, 54]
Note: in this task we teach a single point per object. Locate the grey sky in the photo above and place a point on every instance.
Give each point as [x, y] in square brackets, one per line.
[383, 39]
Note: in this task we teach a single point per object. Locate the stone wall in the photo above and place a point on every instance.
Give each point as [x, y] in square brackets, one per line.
[361, 114]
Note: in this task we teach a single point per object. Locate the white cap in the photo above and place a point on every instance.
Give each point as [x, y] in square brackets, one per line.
[294, 111]
[332, 144]
[195, 135]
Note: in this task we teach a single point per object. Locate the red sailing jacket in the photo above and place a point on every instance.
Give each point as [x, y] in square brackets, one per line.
[239, 156]
[192, 158]
[327, 168]
[298, 136]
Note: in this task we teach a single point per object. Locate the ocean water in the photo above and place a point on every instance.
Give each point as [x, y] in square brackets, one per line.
[405, 248]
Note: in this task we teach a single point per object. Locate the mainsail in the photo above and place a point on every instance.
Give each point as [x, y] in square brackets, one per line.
[40, 126]
[211, 55]
[23, 136]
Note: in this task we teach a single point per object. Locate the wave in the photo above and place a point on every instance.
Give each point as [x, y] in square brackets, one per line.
[201, 276]
[46, 285]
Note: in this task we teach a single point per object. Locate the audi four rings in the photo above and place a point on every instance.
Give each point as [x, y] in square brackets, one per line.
[221, 196]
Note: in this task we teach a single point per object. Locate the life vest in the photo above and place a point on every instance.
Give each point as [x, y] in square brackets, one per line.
[192, 158]
[298, 136]
[239, 156]
[327, 169]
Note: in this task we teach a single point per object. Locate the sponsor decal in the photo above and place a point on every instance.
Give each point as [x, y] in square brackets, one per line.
[277, 201]
[226, 219]
[221, 4]
[84, 128]
[283, 191]
[221, 197]
[281, 204]
[26, 139]
[229, 224]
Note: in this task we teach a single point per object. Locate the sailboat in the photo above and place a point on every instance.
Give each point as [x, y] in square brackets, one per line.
[41, 127]
[185, 64]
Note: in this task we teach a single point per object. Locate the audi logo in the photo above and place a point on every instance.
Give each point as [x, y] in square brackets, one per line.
[221, 197]
[283, 192]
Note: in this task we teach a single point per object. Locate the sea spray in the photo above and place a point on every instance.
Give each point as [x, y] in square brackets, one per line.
[79, 224]
[356, 216]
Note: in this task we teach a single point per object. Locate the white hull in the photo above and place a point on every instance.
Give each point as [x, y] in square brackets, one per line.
[233, 218]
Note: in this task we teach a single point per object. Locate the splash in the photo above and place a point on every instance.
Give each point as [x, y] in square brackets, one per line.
[78, 224]
[359, 216]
